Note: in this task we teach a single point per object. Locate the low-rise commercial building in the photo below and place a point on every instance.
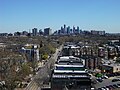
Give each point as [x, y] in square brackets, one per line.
[111, 68]
[70, 74]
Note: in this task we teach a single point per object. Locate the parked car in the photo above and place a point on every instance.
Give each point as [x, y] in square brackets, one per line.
[115, 80]
[92, 88]
[115, 85]
[110, 88]
[100, 79]
[102, 88]
[105, 77]
[118, 85]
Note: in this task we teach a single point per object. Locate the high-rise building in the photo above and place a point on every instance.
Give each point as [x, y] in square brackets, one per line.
[78, 30]
[68, 30]
[34, 31]
[59, 32]
[40, 32]
[47, 31]
[65, 29]
[62, 30]
[73, 29]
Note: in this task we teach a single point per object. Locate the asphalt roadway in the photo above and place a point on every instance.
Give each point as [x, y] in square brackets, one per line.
[44, 72]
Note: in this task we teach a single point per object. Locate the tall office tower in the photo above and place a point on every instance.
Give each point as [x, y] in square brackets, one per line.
[59, 31]
[40, 32]
[68, 30]
[73, 29]
[78, 30]
[47, 31]
[34, 31]
[62, 30]
[65, 29]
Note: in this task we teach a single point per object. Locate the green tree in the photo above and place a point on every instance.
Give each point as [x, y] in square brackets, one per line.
[25, 70]
[47, 49]
[34, 65]
[51, 49]
[45, 56]
[118, 60]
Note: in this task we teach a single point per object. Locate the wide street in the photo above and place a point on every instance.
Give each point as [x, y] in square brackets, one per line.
[44, 72]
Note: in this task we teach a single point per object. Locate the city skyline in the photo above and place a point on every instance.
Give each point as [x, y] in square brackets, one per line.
[88, 15]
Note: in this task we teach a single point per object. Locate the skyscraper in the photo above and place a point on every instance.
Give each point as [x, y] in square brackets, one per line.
[68, 30]
[78, 30]
[34, 31]
[47, 31]
[40, 32]
[73, 29]
[62, 30]
[65, 31]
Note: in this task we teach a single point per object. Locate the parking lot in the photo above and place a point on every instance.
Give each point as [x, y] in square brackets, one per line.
[112, 83]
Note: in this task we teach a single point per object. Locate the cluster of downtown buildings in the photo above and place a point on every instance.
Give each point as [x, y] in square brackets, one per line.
[65, 30]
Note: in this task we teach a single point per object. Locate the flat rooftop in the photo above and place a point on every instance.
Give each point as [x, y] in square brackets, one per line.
[69, 71]
[70, 76]
[57, 65]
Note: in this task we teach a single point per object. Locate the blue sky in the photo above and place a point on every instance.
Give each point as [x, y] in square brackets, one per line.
[19, 15]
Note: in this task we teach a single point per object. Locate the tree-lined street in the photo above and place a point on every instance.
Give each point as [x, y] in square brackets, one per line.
[43, 73]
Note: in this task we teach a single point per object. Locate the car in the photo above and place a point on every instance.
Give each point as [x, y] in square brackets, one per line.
[110, 75]
[118, 85]
[99, 79]
[92, 88]
[115, 80]
[115, 85]
[103, 88]
[116, 74]
[100, 89]
[107, 88]
[105, 77]
[110, 88]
